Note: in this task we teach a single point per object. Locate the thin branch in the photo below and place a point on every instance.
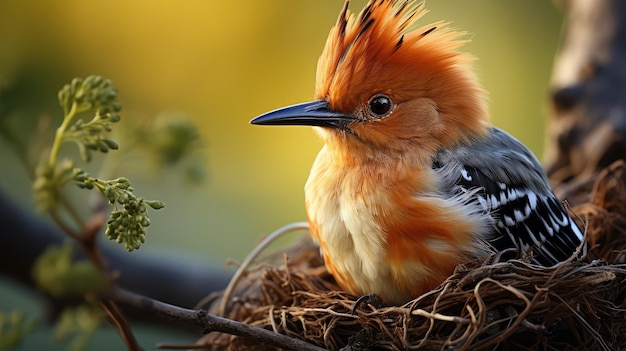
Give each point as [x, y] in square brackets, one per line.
[66, 228]
[210, 323]
[121, 323]
[88, 241]
[71, 210]
[253, 255]
[89, 245]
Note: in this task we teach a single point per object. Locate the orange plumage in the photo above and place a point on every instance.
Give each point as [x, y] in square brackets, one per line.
[383, 50]
[412, 180]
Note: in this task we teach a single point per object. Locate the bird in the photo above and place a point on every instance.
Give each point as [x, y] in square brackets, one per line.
[413, 179]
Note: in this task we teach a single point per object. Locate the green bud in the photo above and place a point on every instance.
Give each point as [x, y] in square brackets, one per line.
[96, 128]
[75, 85]
[122, 199]
[102, 147]
[156, 205]
[109, 193]
[145, 222]
[112, 144]
[130, 206]
[97, 80]
[123, 181]
[64, 97]
[79, 175]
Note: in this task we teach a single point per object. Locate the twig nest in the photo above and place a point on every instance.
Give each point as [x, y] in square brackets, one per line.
[578, 304]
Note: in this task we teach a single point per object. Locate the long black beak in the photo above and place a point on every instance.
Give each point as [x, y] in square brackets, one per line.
[314, 113]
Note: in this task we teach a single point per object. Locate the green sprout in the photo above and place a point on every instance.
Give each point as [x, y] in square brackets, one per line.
[129, 219]
[95, 97]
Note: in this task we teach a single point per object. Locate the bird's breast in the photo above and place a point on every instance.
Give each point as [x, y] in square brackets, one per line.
[386, 231]
[342, 210]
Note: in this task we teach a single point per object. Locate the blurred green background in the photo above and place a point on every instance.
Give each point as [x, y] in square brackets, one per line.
[221, 63]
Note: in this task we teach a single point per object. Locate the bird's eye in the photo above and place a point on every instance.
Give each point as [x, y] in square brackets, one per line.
[380, 105]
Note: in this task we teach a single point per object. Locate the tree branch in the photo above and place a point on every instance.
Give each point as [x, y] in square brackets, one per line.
[210, 323]
[110, 307]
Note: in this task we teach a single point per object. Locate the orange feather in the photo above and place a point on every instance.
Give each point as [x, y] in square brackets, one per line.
[384, 50]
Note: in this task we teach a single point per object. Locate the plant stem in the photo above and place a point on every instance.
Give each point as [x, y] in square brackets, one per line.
[66, 228]
[71, 210]
[58, 138]
[110, 307]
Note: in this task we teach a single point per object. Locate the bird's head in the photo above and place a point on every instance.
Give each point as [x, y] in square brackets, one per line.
[390, 86]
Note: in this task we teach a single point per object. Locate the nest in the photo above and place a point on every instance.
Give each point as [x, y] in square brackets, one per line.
[488, 304]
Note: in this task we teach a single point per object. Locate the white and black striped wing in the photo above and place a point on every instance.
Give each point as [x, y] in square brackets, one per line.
[506, 179]
[531, 222]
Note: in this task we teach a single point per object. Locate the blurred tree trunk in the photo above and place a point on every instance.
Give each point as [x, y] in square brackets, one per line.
[588, 117]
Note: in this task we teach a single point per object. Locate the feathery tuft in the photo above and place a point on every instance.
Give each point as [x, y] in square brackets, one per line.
[385, 50]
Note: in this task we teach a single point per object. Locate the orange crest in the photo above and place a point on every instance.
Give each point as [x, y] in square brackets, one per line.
[383, 50]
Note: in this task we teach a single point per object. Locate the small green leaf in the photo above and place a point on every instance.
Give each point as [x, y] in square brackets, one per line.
[56, 273]
[13, 328]
[78, 325]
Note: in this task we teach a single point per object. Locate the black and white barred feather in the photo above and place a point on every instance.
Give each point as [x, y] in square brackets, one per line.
[506, 181]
